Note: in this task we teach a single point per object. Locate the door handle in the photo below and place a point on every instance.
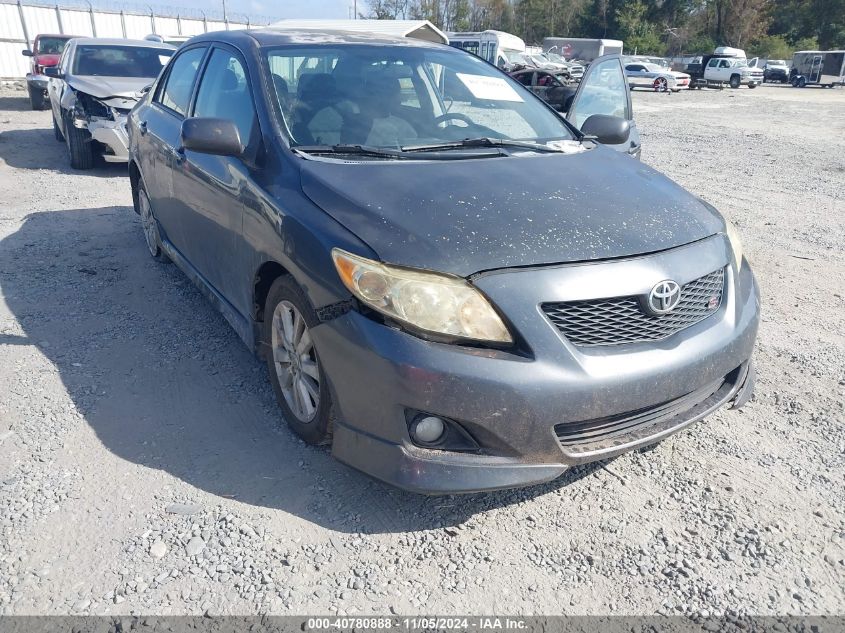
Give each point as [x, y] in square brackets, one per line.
[142, 127]
[179, 155]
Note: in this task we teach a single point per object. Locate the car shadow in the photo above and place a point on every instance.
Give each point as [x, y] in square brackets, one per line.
[166, 384]
[16, 104]
[37, 148]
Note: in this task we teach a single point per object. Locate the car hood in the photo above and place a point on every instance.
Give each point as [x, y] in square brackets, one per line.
[47, 59]
[104, 87]
[467, 216]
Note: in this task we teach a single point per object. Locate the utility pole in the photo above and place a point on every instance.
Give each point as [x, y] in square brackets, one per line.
[224, 11]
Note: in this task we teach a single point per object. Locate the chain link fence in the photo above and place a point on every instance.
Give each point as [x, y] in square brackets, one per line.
[21, 21]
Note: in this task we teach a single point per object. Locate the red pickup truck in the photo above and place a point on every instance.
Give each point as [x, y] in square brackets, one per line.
[46, 51]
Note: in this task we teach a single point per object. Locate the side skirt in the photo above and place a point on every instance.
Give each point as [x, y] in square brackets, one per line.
[241, 324]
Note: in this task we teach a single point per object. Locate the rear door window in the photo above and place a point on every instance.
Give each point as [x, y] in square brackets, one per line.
[175, 92]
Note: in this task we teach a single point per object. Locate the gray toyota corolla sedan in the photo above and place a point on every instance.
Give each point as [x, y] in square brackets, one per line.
[456, 287]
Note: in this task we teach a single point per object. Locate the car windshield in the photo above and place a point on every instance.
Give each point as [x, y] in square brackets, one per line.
[398, 96]
[515, 57]
[51, 45]
[777, 62]
[555, 58]
[119, 61]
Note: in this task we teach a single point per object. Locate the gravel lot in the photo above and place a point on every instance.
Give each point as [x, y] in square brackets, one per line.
[144, 468]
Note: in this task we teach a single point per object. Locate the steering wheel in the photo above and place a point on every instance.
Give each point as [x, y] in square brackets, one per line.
[456, 116]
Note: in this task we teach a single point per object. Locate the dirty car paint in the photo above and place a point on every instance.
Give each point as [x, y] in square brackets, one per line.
[594, 205]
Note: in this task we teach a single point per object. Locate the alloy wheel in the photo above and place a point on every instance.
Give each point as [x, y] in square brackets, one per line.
[148, 221]
[660, 84]
[295, 360]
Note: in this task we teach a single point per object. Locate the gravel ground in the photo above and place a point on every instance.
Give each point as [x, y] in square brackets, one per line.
[144, 468]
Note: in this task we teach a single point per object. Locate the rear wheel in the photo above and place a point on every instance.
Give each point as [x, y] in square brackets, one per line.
[150, 225]
[36, 98]
[298, 379]
[802, 82]
[78, 146]
[735, 81]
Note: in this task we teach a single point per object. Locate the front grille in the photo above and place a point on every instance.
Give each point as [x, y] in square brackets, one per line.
[619, 320]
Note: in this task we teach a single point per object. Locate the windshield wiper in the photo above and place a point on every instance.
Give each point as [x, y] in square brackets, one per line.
[359, 150]
[386, 152]
[481, 141]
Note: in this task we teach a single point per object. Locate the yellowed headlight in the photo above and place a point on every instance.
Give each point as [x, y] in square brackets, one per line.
[428, 301]
[736, 243]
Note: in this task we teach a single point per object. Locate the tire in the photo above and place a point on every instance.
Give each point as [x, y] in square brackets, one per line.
[735, 81]
[152, 237]
[794, 82]
[36, 98]
[57, 131]
[78, 146]
[802, 82]
[752, 86]
[660, 85]
[304, 397]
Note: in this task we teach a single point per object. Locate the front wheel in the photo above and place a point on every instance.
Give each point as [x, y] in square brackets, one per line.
[78, 146]
[735, 81]
[660, 84]
[57, 131]
[752, 86]
[298, 379]
[36, 98]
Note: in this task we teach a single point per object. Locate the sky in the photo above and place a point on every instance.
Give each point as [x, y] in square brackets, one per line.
[328, 9]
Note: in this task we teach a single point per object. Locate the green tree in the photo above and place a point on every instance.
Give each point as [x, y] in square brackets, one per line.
[637, 31]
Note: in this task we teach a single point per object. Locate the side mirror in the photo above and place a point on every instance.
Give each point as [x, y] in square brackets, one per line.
[211, 136]
[27, 53]
[608, 130]
[53, 71]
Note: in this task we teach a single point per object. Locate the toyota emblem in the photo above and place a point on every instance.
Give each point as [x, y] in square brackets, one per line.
[664, 297]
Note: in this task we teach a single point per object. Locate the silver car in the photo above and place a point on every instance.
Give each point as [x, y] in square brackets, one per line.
[93, 88]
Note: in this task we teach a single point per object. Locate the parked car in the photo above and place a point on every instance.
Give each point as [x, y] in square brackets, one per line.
[776, 70]
[576, 70]
[555, 88]
[93, 88]
[453, 285]
[45, 53]
[648, 75]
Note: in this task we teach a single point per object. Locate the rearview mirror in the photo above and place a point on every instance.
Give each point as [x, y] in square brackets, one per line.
[608, 130]
[211, 136]
[53, 71]
[26, 52]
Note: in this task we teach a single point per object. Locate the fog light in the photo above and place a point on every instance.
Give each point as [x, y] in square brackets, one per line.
[428, 429]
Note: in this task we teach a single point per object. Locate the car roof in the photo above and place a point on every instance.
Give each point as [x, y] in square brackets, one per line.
[278, 36]
[118, 41]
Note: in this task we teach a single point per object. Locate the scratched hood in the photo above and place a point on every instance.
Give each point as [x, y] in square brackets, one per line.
[104, 87]
[466, 216]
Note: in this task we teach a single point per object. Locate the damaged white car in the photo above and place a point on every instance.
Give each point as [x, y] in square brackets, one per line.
[92, 89]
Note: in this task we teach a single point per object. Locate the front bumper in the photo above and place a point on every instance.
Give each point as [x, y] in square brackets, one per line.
[511, 404]
[113, 135]
[37, 81]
